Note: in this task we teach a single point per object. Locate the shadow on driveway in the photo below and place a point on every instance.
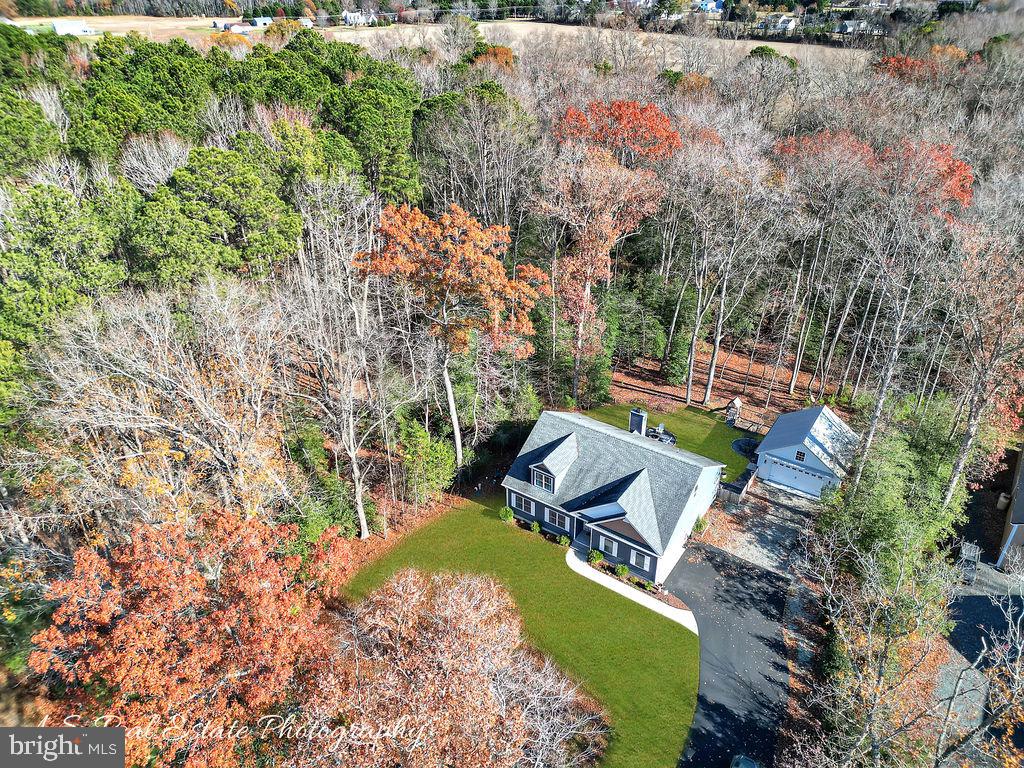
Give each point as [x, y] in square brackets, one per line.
[744, 677]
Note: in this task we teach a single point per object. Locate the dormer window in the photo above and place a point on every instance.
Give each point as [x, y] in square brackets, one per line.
[801, 456]
[544, 480]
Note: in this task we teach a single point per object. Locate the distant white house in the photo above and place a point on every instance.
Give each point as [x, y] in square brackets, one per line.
[853, 27]
[359, 18]
[262, 21]
[72, 27]
[307, 23]
[778, 23]
[241, 29]
[807, 451]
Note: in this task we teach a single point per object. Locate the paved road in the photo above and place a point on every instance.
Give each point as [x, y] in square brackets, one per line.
[744, 679]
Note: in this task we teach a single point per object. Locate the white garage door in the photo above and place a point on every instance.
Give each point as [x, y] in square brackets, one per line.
[791, 477]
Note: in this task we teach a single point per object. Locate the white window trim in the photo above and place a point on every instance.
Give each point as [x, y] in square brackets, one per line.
[526, 500]
[629, 544]
[554, 513]
[539, 473]
[602, 540]
[645, 563]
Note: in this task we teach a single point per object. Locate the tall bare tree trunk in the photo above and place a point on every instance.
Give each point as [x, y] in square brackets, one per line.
[453, 411]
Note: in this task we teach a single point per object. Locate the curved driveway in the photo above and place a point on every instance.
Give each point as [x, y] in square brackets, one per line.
[744, 677]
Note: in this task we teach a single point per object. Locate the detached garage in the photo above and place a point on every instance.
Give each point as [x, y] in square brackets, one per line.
[807, 451]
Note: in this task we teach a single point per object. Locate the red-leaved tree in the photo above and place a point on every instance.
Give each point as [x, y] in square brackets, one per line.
[179, 629]
[633, 132]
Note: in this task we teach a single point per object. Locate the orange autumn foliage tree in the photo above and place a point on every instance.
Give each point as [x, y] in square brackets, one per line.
[500, 57]
[940, 181]
[433, 670]
[599, 190]
[599, 201]
[906, 68]
[179, 628]
[453, 266]
[633, 132]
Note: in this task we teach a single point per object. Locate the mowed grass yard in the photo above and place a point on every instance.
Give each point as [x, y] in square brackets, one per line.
[640, 666]
[695, 430]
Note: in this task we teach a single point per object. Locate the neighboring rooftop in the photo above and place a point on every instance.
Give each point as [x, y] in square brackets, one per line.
[633, 484]
[819, 429]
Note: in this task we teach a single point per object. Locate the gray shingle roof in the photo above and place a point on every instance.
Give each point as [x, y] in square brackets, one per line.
[821, 431]
[615, 476]
[561, 457]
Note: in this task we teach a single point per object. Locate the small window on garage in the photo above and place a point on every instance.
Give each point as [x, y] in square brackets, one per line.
[640, 560]
[801, 456]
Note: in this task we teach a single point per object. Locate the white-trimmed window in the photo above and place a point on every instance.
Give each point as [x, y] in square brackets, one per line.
[640, 560]
[522, 503]
[557, 519]
[544, 481]
[608, 546]
[801, 456]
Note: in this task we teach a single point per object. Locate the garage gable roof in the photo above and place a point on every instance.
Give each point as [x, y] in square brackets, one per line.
[616, 475]
[820, 431]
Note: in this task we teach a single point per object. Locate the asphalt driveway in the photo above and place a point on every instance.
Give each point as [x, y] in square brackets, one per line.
[744, 678]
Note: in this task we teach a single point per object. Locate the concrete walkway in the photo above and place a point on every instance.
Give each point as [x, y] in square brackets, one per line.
[577, 563]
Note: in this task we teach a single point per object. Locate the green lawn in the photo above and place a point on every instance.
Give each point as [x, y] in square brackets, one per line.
[640, 666]
[695, 430]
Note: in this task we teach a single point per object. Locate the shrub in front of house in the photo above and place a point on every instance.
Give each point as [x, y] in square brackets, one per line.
[535, 526]
[595, 557]
[506, 515]
[622, 570]
[701, 525]
[651, 587]
[564, 540]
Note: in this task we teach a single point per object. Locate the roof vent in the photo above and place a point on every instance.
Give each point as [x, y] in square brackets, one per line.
[638, 421]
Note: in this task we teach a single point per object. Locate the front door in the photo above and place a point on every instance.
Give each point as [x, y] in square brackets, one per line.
[580, 531]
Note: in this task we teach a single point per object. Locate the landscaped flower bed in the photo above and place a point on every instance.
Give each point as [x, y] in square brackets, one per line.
[621, 572]
[596, 559]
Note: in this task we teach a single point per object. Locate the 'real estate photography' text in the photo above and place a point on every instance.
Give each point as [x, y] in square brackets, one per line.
[100, 742]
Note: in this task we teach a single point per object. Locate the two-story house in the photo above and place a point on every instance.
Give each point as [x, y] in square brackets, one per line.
[612, 489]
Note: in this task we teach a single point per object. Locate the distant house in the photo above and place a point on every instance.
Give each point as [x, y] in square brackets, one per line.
[611, 489]
[307, 23]
[708, 6]
[241, 29]
[72, 27]
[262, 21]
[786, 24]
[359, 18]
[778, 23]
[853, 27]
[807, 451]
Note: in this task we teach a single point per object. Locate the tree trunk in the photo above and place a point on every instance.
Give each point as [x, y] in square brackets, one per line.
[672, 327]
[719, 333]
[453, 412]
[973, 422]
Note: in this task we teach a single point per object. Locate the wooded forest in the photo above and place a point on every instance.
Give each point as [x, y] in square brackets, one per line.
[261, 303]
